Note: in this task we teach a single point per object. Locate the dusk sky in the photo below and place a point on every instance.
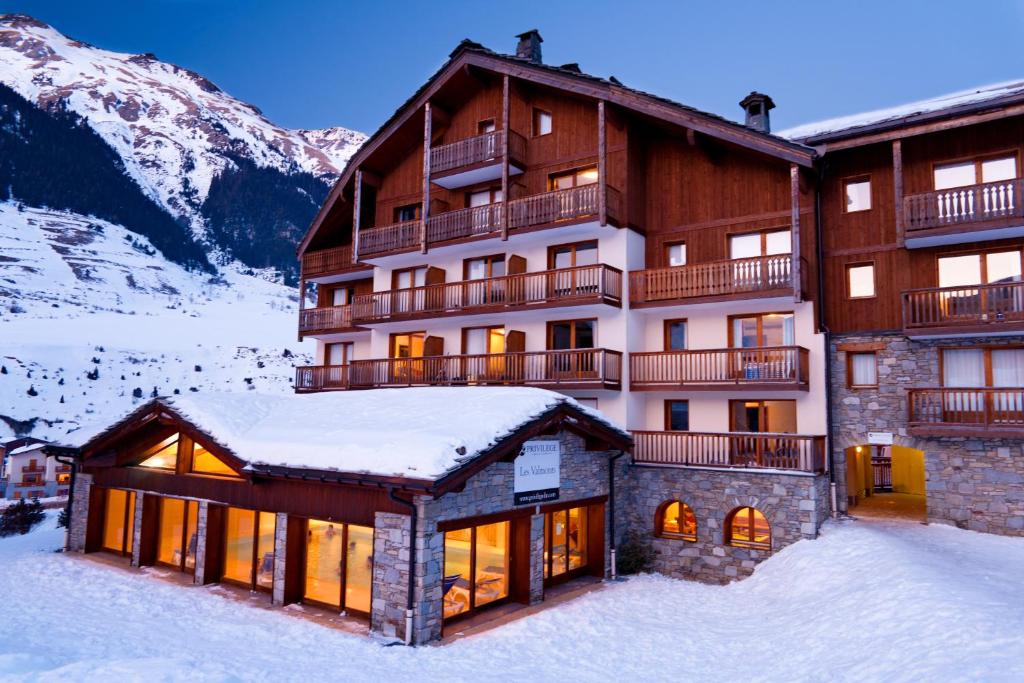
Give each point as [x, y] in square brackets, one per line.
[313, 64]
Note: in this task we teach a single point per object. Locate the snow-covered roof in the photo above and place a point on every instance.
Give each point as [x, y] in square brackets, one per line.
[973, 96]
[26, 449]
[418, 433]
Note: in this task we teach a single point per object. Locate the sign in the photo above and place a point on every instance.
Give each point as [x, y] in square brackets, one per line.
[880, 438]
[537, 472]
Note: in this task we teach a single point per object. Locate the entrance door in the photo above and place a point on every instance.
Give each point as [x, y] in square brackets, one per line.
[565, 543]
[575, 338]
[178, 536]
[762, 417]
[485, 349]
[249, 548]
[339, 566]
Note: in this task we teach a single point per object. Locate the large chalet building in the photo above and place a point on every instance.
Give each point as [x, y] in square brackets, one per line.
[755, 331]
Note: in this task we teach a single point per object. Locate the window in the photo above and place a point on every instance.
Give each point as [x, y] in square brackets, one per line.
[984, 268]
[858, 194]
[205, 462]
[409, 212]
[484, 269]
[747, 527]
[177, 536]
[63, 478]
[973, 172]
[408, 345]
[574, 178]
[572, 334]
[677, 415]
[675, 335]
[339, 565]
[778, 417]
[486, 126]
[754, 244]
[976, 368]
[675, 519]
[486, 197]
[476, 567]
[249, 548]
[761, 329]
[541, 122]
[118, 521]
[565, 542]
[163, 456]
[407, 278]
[342, 296]
[861, 369]
[571, 255]
[675, 254]
[860, 281]
[339, 353]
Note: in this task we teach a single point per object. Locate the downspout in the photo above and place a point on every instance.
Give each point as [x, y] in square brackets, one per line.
[71, 497]
[829, 431]
[410, 590]
[611, 509]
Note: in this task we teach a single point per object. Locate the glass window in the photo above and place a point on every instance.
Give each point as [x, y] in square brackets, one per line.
[863, 369]
[975, 269]
[745, 246]
[763, 329]
[341, 296]
[778, 242]
[570, 255]
[407, 345]
[762, 416]
[541, 122]
[239, 539]
[338, 354]
[205, 462]
[858, 195]
[485, 126]
[410, 277]
[677, 520]
[754, 244]
[166, 455]
[963, 367]
[574, 178]
[476, 567]
[565, 545]
[324, 545]
[409, 212]
[677, 415]
[860, 281]
[675, 335]
[492, 562]
[954, 175]
[995, 170]
[963, 173]
[458, 545]
[172, 528]
[676, 254]
[748, 528]
[484, 197]
[119, 521]
[1002, 266]
[359, 568]
[572, 334]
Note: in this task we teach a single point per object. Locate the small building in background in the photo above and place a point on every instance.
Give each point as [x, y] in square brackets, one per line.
[28, 472]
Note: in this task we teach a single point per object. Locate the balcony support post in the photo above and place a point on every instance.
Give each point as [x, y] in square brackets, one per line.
[425, 211]
[794, 190]
[602, 165]
[505, 107]
[897, 186]
[357, 210]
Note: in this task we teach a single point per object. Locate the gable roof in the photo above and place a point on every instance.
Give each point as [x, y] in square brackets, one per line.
[568, 77]
[953, 104]
[424, 435]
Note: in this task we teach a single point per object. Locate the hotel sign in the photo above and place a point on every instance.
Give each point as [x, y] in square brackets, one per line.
[537, 472]
[880, 438]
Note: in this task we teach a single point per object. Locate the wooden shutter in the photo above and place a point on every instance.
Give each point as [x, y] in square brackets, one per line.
[433, 346]
[515, 341]
[516, 265]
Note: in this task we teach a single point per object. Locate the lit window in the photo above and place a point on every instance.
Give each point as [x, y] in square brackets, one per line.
[747, 528]
[676, 254]
[575, 178]
[541, 122]
[860, 281]
[754, 244]
[205, 462]
[675, 519]
[858, 195]
[863, 369]
[165, 455]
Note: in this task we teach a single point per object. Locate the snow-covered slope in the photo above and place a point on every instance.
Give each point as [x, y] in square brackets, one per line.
[174, 129]
[90, 312]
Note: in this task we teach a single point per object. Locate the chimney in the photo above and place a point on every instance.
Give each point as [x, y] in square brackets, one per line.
[757, 105]
[529, 46]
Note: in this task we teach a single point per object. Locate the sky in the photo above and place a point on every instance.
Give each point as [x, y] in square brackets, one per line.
[314, 63]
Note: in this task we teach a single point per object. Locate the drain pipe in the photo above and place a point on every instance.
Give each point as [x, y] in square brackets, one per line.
[611, 510]
[73, 462]
[829, 431]
[410, 590]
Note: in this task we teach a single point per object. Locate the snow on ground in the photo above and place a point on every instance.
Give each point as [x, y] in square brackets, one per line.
[80, 295]
[893, 601]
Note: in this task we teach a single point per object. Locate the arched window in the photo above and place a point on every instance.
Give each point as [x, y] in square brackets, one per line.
[675, 519]
[747, 528]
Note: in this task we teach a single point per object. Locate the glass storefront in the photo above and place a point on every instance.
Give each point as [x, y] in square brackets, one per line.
[339, 565]
[118, 521]
[565, 541]
[476, 567]
[249, 548]
[177, 537]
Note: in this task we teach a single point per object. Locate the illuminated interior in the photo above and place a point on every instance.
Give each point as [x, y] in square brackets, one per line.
[166, 455]
[177, 539]
[748, 528]
[119, 521]
[205, 462]
[565, 541]
[476, 567]
[678, 521]
[339, 564]
[239, 544]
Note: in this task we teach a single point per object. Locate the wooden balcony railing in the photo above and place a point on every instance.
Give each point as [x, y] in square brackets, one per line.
[560, 205]
[477, 220]
[325, 318]
[33, 468]
[963, 205]
[565, 286]
[779, 367]
[388, 238]
[735, 449]
[713, 279]
[476, 150]
[575, 368]
[30, 484]
[325, 261]
[986, 411]
[974, 306]
[61, 469]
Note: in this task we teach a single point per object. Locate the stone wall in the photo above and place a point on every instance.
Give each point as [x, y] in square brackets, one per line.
[795, 505]
[201, 524]
[391, 543]
[79, 512]
[975, 483]
[280, 556]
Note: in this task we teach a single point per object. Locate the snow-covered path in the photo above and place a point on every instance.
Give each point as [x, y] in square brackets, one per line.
[867, 601]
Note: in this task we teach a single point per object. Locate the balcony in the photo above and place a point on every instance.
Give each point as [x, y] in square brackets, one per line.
[546, 210]
[996, 413]
[29, 469]
[746, 278]
[322, 264]
[476, 160]
[597, 284]
[730, 450]
[326, 319]
[764, 368]
[567, 369]
[964, 214]
[30, 484]
[971, 310]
